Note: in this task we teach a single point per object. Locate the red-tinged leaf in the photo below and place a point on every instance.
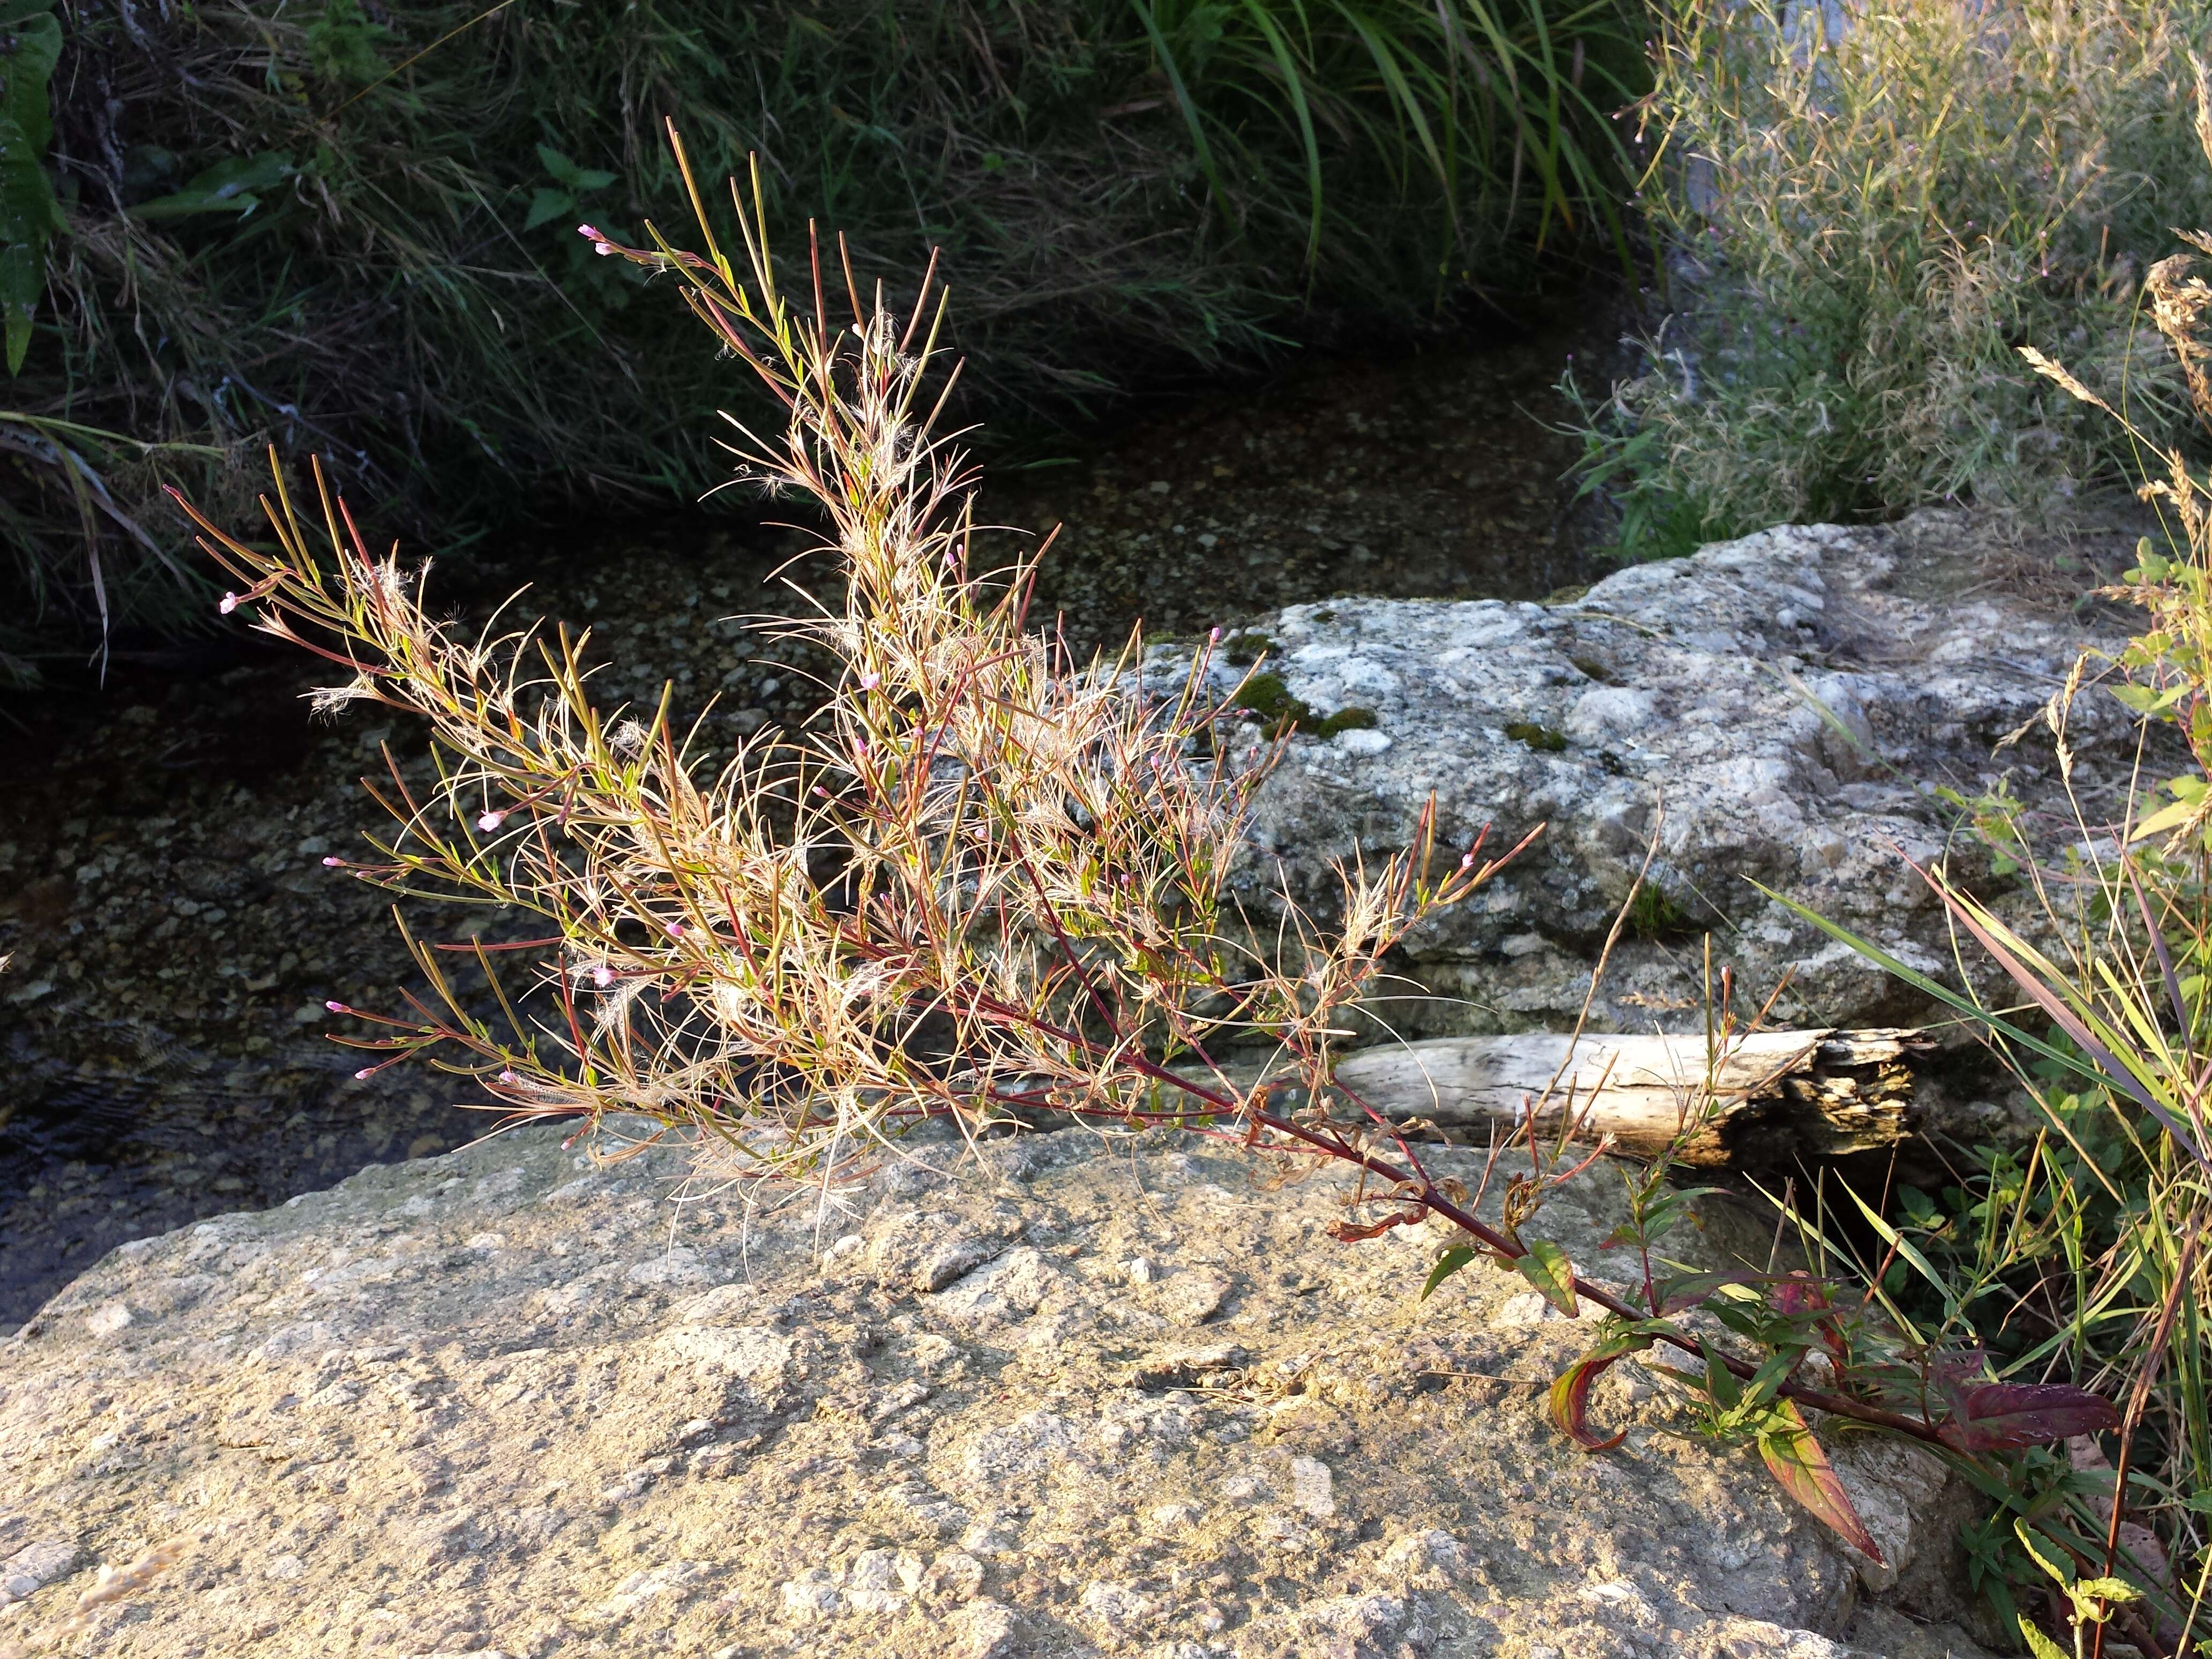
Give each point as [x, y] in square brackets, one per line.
[1358, 1232]
[1570, 1393]
[1547, 1268]
[1806, 1474]
[1800, 1292]
[1689, 1290]
[2007, 1416]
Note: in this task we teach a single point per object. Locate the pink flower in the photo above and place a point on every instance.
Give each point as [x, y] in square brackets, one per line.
[333, 862]
[491, 821]
[820, 790]
[338, 1007]
[365, 1074]
[599, 244]
[1213, 636]
[1466, 861]
[229, 603]
[675, 930]
[509, 1078]
[602, 976]
[870, 681]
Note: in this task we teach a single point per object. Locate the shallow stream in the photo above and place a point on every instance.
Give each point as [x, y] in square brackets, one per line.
[175, 935]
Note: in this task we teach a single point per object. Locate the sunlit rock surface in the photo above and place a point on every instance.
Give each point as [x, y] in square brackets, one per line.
[1073, 1396]
[1778, 710]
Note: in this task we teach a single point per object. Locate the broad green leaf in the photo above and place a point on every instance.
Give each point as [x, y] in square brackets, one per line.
[594, 178]
[1570, 1393]
[1547, 1267]
[2170, 817]
[548, 204]
[2108, 1589]
[558, 165]
[1453, 1257]
[2046, 1555]
[1796, 1460]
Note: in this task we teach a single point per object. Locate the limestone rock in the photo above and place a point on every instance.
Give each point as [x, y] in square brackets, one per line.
[370, 1432]
[1775, 709]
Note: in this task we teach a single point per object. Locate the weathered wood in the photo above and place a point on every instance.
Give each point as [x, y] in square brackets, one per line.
[1775, 1094]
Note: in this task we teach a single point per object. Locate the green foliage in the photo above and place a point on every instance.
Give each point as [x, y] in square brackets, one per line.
[1545, 739]
[353, 228]
[30, 45]
[1867, 209]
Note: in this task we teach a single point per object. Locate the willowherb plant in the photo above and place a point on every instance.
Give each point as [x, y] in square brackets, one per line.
[989, 880]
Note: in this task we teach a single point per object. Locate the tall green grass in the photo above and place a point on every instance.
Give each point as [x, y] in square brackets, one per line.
[1866, 209]
[353, 228]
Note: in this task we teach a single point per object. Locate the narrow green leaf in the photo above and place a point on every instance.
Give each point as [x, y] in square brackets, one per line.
[2039, 1645]
[1454, 1258]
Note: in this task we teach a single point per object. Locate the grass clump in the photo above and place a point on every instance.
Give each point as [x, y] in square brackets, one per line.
[1866, 210]
[1544, 739]
[353, 229]
[2085, 1254]
[991, 880]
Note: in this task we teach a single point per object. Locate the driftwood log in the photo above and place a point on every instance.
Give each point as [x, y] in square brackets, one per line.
[1776, 1095]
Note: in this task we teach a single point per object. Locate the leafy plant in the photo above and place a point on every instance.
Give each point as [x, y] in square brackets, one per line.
[30, 45]
[342, 227]
[990, 879]
[1865, 209]
[2083, 1254]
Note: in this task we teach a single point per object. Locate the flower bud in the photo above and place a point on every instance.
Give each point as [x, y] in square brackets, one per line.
[364, 1074]
[333, 862]
[675, 930]
[509, 1078]
[491, 821]
[602, 976]
[338, 1007]
[229, 603]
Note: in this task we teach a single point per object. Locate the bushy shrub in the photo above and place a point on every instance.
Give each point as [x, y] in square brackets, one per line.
[991, 881]
[349, 226]
[1866, 210]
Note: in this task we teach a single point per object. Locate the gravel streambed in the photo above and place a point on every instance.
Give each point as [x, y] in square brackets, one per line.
[174, 933]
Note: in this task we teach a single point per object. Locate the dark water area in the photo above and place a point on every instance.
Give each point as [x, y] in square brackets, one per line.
[174, 933]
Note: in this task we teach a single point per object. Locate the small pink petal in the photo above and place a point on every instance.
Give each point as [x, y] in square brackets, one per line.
[333, 862]
[675, 930]
[509, 1078]
[229, 603]
[870, 681]
[338, 1007]
[603, 977]
[491, 821]
[366, 1072]
[603, 249]
[592, 231]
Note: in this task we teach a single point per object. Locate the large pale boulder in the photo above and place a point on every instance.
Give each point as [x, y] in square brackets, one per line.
[1781, 709]
[1073, 1396]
